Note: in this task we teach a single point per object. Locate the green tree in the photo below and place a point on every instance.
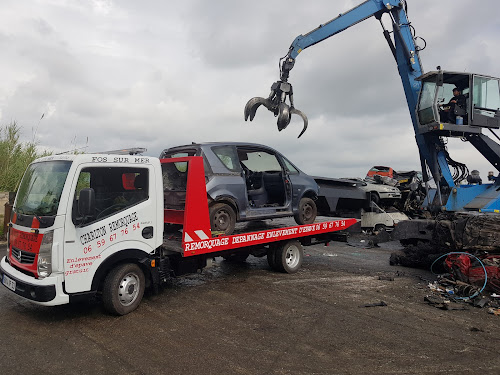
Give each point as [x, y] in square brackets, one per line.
[15, 156]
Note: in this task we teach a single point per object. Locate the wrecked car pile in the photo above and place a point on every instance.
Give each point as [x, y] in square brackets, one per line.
[449, 232]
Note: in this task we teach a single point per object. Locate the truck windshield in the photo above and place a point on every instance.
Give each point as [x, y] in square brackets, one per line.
[41, 188]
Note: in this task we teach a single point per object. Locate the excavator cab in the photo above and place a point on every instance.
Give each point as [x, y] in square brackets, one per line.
[453, 103]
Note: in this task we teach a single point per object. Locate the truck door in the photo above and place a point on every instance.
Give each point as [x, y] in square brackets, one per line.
[124, 218]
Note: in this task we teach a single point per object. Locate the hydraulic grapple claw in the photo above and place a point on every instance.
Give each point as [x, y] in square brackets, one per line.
[253, 104]
[276, 103]
[285, 116]
[304, 117]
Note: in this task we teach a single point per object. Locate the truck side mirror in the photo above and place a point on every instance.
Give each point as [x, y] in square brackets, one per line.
[86, 202]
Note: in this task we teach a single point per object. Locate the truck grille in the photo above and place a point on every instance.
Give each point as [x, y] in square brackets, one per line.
[24, 257]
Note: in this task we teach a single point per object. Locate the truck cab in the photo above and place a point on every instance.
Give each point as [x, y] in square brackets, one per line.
[58, 245]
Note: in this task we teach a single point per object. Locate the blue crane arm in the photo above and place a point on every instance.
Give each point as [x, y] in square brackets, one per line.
[343, 21]
[408, 62]
[402, 45]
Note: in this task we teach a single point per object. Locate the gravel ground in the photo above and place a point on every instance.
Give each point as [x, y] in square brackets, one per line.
[246, 319]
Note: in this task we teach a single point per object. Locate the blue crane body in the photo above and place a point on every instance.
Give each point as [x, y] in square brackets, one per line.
[425, 94]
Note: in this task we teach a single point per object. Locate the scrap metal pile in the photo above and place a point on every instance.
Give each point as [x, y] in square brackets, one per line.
[466, 249]
[469, 279]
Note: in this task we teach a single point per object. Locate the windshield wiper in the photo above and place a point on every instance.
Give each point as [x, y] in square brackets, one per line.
[39, 218]
[22, 212]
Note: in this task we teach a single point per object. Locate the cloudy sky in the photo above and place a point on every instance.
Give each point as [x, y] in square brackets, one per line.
[109, 74]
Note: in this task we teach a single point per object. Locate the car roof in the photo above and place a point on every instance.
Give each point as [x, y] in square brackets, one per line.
[211, 144]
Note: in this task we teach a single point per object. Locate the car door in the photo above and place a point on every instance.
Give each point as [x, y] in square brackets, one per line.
[267, 182]
[227, 180]
[299, 182]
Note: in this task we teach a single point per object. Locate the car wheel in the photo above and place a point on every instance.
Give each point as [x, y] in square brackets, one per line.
[222, 218]
[307, 211]
[374, 197]
[123, 289]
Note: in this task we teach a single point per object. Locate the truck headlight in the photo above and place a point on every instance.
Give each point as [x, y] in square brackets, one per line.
[44, 266]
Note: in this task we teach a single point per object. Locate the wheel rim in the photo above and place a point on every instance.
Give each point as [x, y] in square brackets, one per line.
[128, 289]
[222, 219]
[307, 212]
[292, 256]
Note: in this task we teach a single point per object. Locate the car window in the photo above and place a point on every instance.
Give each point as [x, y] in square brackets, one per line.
[227, 155]
[289, 166]
[259, 161]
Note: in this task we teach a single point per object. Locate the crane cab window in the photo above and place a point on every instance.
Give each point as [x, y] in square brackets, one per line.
[440, 102]
[426, 103]
[486, 96]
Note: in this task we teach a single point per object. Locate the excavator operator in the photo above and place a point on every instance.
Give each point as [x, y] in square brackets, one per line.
[448, 113]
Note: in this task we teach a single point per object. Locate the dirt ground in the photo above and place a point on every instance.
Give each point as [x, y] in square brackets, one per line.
[246, 319]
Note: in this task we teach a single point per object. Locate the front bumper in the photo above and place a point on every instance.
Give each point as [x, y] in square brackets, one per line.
[390, 195]
[47, 291]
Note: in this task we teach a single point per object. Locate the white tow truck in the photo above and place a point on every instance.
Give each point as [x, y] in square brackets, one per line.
[112, 225]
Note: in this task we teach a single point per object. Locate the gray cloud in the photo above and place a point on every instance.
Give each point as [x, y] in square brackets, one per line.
[157, 75]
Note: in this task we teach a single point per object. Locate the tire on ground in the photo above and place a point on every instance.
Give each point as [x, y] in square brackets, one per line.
[123, 289]
[288, 256]
[222, 218]
[271, 258]
[307, 211]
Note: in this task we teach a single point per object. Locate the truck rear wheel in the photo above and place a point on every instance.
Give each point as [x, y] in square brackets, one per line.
[287, 257]
[123, 289]
[271, 258]
[307, 212]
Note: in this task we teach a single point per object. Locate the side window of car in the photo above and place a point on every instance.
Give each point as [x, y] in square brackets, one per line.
[289, 166]
[260, 161]
[227, 155]
[116, 189]
[182, 165]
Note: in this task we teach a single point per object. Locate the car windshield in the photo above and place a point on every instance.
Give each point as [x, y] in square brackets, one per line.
[41, 188]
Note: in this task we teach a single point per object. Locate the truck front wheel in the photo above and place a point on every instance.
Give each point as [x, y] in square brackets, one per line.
[123, 289]
[286, 257]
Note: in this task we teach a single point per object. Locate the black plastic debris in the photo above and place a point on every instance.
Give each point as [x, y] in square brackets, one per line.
[481, 302]
[475, 329]
[443, 303]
